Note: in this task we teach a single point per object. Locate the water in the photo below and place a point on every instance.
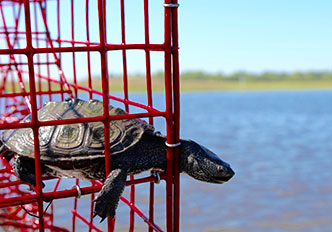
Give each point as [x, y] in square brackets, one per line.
[278, 143]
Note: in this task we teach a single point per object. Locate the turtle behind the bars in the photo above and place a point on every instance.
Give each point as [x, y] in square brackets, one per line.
[77, 151]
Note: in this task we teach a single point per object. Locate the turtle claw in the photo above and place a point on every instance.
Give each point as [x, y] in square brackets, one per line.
[103, 208]
[108, 198]
[102, 219]
[102, 216]
[95, 214]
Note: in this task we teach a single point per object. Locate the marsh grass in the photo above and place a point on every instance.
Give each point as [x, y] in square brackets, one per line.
[158, 85]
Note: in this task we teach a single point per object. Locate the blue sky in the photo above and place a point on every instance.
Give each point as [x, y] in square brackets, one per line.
[256, 36]
[228, 36]
[225, 36]
[215, 36]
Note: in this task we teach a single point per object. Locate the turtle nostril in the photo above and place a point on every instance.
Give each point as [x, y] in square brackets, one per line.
[230, 172]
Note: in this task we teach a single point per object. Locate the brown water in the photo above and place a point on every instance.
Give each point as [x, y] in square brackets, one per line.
[280, 145]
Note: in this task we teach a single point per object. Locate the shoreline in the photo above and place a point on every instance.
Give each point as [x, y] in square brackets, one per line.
[194, 85]
[139, 85]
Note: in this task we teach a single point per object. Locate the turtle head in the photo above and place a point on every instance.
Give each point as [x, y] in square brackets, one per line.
[202, 164]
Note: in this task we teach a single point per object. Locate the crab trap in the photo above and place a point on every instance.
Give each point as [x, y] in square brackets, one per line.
[51, 50]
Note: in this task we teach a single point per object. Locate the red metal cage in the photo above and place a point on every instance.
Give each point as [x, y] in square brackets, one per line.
[39, 62]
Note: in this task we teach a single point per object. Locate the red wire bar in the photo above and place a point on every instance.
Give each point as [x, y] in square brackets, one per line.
[63, 193]
[139, 213]
[7, 95]
[29, 97]
[85, 221]
[97, 48]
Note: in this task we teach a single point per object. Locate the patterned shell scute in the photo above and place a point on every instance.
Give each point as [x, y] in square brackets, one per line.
[78, 140]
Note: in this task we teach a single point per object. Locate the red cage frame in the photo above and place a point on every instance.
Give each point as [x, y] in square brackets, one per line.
[27, 99]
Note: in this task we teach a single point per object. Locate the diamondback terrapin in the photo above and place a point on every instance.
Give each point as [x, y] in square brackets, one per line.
[77, 151]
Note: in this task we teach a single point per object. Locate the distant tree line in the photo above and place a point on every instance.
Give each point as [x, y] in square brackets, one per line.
[244, 76]
[266, 76]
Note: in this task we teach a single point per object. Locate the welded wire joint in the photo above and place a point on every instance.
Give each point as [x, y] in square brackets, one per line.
[171, 5]
[157, 176]
[79, 192]
[172, 144]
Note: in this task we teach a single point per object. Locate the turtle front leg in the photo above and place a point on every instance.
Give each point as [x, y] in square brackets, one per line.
[24, 169]
[108, 198]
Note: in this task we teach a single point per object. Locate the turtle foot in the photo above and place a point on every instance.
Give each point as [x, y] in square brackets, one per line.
[32, 187]
[24, 169]
[108, 198]
[103, 207]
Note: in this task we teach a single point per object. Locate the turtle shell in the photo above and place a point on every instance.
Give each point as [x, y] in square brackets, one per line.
[75, 141]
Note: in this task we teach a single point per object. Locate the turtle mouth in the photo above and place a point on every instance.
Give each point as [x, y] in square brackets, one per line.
[225, 177]
[222, 179]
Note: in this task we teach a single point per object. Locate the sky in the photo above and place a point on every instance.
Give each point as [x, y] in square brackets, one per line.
[256, 36]
[215, 36]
